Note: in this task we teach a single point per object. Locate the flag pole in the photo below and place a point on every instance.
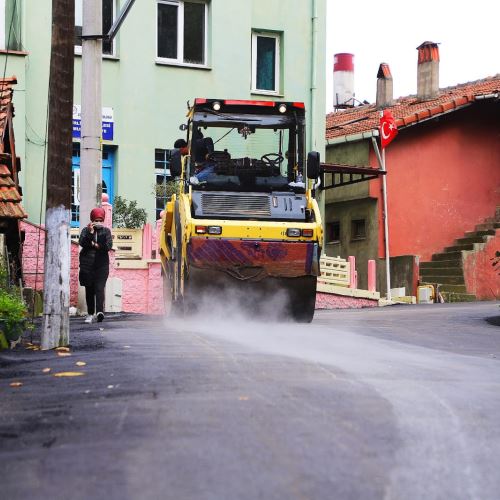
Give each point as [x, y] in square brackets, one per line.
[381, 162]
[386, 230]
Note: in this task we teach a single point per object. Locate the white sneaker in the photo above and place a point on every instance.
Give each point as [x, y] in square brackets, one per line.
[194, 180]
[89, 318]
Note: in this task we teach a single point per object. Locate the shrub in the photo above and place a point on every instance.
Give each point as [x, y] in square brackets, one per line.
[12, 313]
[165, 190]
[126, 214]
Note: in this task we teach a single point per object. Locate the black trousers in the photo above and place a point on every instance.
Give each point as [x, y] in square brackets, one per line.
[94, 295]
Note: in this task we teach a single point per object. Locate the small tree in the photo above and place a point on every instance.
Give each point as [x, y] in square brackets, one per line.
[126, 214]
[165, 190]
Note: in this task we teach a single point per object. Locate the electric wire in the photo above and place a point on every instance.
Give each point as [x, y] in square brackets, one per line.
[220, 138]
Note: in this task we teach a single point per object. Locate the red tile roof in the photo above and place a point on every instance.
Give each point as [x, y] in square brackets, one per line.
[6, 92]
[10, 198]
[409, 110]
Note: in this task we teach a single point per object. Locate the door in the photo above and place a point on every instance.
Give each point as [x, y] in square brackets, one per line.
[108, 167]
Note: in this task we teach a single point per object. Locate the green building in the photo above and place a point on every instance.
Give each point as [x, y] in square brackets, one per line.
[167, 53]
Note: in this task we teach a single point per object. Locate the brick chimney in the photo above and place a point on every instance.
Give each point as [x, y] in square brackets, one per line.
[384, 87]
[428, 71]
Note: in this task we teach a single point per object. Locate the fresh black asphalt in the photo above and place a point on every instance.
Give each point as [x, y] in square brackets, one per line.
[401, 402]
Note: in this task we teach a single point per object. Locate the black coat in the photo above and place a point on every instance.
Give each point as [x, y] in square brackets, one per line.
[94, 263]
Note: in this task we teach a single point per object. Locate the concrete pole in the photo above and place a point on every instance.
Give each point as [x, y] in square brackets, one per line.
[55, 328]
[90, 146]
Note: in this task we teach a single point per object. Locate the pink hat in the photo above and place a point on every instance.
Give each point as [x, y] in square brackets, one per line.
[97, 213]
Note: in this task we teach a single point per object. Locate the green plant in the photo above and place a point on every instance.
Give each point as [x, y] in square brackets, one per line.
[165, 190]
[12, 313]
[126, 214]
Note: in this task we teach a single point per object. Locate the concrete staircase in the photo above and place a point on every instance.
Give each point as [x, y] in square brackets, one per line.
[445, 270]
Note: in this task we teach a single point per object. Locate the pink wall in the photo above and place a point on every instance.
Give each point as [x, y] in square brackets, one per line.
[481, 278]
[33, 260]
[33, 254]
[142, 288]
[332, 301]
[442, 180]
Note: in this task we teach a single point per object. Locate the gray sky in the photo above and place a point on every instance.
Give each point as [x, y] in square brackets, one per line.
[390, 31]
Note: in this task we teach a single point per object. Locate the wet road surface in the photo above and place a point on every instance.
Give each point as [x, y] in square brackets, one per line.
[388, 403]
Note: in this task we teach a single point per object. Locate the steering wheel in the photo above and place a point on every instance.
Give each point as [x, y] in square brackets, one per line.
[272, 159]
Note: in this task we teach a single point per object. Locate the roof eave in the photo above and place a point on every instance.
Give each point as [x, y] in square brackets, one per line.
[360, 136]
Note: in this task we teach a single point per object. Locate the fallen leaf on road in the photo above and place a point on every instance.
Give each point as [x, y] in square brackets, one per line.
[243, 398]
[46, 370]
[68, 374]
[62, 354]
[80, 363]
[110, 386]
[16, 384]
[126, 346]
[62, 349]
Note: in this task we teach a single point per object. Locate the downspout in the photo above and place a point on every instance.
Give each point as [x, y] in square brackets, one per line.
[312, 112]
[314, 49]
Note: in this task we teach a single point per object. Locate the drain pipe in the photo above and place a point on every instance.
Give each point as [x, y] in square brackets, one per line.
[314, 50]
[381, 162]
[312, 113]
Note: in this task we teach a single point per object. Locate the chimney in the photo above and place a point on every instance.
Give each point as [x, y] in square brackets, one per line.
[384, 87]
[343, 81]
[428, 71]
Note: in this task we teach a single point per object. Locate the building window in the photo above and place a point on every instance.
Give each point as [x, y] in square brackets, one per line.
[265, 63]
[182, 32]
[163, 180]
[358, 229]
[333, 232]
[108, 17]
[2, 25]
[10, 25]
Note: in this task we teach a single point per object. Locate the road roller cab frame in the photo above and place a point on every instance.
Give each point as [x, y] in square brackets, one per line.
[244, 220]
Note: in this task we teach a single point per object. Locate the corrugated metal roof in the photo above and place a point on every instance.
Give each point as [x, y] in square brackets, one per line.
[409, 110]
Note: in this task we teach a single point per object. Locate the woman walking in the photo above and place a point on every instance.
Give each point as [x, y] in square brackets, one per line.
[96, 242]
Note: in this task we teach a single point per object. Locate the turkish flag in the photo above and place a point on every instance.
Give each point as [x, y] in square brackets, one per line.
[388, 128]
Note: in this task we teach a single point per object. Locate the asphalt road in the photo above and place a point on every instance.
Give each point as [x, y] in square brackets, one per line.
[400, 402]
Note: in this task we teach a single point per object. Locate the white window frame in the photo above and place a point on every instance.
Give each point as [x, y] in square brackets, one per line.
[3, 43]
[78, 48]
[179, 61]
[277, 82]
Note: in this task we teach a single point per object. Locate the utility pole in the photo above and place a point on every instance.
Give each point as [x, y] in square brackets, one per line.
[90, 153]
[55, 330]
[91, 150]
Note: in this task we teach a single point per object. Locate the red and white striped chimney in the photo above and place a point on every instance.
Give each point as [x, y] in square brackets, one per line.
[428, 71]
[343, 80]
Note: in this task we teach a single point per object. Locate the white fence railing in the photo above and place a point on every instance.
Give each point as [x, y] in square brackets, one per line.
[127, 243]
[335, 271]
